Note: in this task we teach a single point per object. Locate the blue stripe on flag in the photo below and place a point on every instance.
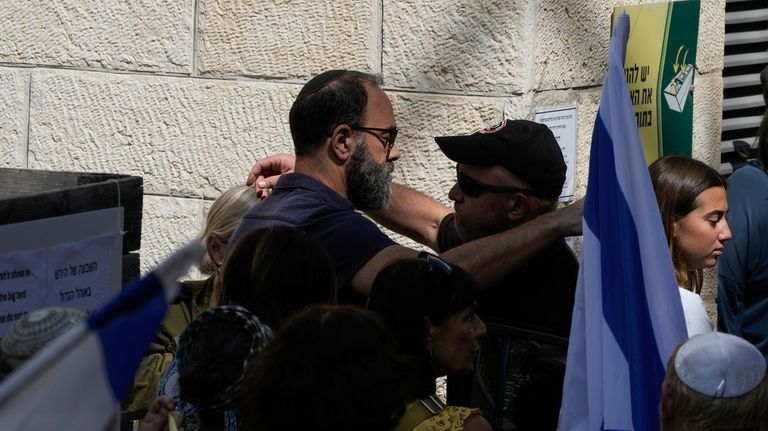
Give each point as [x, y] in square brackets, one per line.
[126, 327]
[625, 306]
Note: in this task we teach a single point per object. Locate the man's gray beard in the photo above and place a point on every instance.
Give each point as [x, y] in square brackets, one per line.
[367, 181]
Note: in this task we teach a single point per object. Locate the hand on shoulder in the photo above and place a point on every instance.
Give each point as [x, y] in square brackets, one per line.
[265, 172]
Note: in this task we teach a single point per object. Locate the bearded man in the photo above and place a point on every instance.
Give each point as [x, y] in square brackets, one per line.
[343, 129]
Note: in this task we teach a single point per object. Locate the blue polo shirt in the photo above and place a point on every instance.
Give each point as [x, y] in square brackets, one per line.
[304, 203]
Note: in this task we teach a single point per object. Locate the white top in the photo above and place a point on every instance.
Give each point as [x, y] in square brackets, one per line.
[696, 317]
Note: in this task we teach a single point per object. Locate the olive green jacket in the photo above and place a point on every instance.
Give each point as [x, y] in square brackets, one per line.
[163, 348]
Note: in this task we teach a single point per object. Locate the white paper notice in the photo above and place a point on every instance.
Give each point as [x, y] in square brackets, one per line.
[70, 261]
[80, 273]
[22, 284]
[562, 122]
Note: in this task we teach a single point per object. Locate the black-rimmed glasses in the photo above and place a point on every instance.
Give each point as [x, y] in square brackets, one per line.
[474, 188]
[388, 142]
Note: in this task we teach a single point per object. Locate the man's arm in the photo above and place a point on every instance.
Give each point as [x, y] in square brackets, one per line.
[362, 282]
[491, 258]
[488, 259]
[413, 214]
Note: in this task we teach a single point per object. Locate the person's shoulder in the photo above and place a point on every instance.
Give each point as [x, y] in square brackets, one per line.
[561, 250]
[691, 301]
[747, 174]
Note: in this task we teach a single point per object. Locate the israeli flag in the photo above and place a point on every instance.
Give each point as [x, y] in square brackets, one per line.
[77, 381]
[627, 317]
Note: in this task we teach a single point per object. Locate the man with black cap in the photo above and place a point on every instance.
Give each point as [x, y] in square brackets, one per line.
[507, 175]
[343, 129]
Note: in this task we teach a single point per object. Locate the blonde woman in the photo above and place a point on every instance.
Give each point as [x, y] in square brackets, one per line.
[222, 219]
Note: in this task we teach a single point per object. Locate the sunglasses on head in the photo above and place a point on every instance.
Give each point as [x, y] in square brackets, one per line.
[474, 188]
[434, 263]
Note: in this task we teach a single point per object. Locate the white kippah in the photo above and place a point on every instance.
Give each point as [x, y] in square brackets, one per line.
[35, 329]
[720, 365]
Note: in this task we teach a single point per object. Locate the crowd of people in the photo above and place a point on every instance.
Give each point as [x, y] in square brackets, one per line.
[311, 317]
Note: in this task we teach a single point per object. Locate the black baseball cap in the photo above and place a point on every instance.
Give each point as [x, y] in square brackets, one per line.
[526, 149]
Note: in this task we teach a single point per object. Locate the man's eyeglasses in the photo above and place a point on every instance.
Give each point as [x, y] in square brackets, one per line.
[474, 188]
[434, 263]
[388, 142]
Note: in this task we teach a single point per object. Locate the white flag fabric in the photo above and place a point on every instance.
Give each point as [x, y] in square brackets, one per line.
[77, 381]
[627, 317]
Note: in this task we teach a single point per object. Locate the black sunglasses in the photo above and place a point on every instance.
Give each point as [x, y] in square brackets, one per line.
[434, 263]
[388, 142]
[474, 188]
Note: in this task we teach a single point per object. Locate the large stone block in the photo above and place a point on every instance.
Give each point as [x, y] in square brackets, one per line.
[711, 42]
[278, 39]
[185, 137]
[476, 46]
[147, 35]
[421, 117]
[167, 224]
[13, 116]
[707, 115]
[572, 38]
[571, 43]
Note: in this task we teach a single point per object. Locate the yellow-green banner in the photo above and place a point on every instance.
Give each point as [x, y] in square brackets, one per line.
[659, 68]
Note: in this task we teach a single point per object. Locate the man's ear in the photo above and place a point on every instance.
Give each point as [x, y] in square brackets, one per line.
[343, 142]
[518, 207]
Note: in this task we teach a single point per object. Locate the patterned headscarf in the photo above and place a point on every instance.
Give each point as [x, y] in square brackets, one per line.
[261, 336]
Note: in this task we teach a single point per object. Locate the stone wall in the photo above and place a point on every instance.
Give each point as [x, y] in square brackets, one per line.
[189, 93]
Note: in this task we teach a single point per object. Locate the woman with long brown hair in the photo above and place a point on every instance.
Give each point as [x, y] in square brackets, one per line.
[692, 203]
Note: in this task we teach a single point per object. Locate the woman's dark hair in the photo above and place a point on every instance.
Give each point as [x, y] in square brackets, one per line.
[678, 181]
[274, 272]
[331, 98]
[407, 292]
[329, 368]
[212, 355]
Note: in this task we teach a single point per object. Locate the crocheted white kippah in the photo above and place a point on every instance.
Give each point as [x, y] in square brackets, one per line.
[35, 329]
[720, 365]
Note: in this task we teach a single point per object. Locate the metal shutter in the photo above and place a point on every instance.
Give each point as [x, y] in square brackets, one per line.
[746, 54]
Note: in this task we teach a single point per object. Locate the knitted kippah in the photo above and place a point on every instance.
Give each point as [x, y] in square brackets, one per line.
[35, 329]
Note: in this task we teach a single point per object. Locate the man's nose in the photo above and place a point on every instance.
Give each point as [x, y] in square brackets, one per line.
[455, 193]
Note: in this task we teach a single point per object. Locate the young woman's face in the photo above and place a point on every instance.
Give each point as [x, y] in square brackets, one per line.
[456, 343]
[701, 233]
